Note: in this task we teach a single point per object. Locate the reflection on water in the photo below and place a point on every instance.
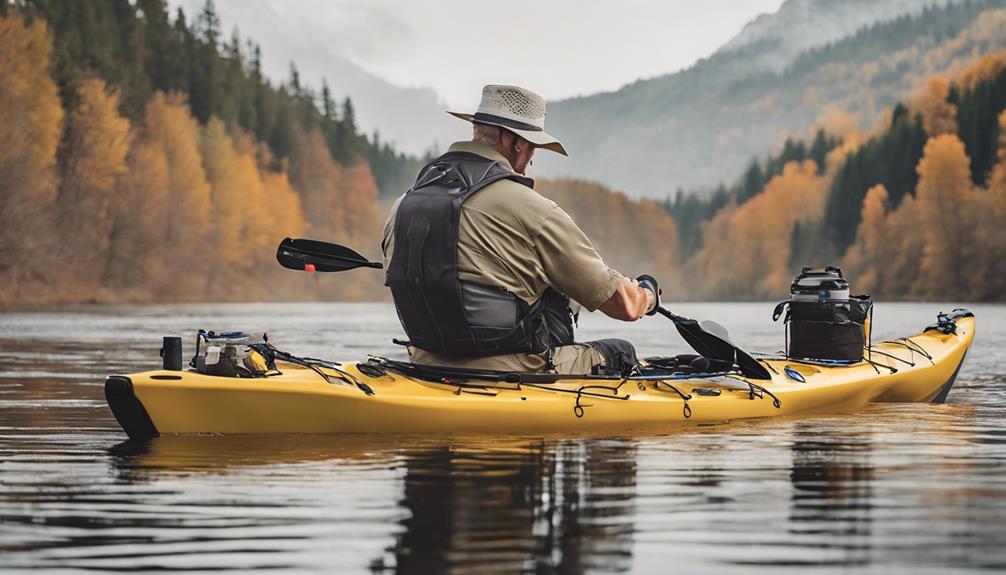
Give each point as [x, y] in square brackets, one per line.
[893, 488]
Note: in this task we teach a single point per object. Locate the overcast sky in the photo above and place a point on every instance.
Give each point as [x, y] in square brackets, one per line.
[559, 48]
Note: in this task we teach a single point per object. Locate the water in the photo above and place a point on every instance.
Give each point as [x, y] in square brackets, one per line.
[891, 488]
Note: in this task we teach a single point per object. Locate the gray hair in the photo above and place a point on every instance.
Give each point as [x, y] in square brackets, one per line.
[486, 134]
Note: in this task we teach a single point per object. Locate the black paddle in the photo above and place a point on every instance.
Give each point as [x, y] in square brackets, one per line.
[708, 338]
[312, 255]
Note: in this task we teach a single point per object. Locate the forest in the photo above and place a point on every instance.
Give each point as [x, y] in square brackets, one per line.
[147, 159]
[144, 157]
[913, 209]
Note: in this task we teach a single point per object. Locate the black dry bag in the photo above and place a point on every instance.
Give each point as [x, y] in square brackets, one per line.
[824, 322]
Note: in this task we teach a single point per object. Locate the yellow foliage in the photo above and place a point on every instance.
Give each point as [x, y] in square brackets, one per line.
[988, 66]
[997, 179]
[901, 255]
[318, 178]
[134, 270]
[938, 115]
[837, 121]
[235, 188]
[944, 193]
[94, 158]
[862, 259]
[746, 249]
[185, 254]
[340, 205]
[30, 119]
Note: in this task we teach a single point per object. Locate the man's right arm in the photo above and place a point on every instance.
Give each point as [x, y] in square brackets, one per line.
[629, 302]
[574, 268]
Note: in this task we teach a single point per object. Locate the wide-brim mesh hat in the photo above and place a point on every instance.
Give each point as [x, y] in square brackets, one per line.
[518, 110]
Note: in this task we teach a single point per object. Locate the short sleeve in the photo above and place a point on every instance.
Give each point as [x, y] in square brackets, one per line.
[571, 263]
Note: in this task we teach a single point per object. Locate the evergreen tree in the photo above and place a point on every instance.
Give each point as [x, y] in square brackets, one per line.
[204, 88]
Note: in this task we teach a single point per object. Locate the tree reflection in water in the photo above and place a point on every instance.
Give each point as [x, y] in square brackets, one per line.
[832, 492]
[534, 506]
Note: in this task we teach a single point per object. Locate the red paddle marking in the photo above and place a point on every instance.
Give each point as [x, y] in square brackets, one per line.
[309, 267]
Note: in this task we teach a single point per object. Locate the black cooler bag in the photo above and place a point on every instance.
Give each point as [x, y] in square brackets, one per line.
[829, 330]
[823, 321]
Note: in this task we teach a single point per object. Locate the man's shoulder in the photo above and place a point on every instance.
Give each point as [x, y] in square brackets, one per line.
[511, 197]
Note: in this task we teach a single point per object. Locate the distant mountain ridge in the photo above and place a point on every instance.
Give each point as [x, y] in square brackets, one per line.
[701, 126]
[799, 25]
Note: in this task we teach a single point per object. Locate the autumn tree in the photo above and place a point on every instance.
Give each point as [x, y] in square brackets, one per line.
[989, 215]
[30, 119]
[901, 253]
[94, 158]
[234, 189]
[746, 249]
[944, 194]
[134, 270]
[164, 206]
[863, 259]
[938, 114]
[318, 178]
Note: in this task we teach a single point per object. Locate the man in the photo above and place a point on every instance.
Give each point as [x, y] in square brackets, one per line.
[483, 269]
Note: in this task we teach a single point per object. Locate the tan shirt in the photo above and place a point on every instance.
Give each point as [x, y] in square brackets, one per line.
[513, 237]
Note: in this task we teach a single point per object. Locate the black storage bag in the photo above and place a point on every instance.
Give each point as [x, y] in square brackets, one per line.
[828, 330]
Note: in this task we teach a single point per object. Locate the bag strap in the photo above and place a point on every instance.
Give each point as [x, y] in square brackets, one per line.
[779, 309]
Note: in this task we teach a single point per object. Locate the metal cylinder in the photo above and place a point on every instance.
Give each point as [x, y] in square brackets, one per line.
[171, 353]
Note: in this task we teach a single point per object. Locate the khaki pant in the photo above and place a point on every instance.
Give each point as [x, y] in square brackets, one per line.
[576, 358]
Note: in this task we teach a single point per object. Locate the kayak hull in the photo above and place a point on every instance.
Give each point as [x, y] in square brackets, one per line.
[302, 401]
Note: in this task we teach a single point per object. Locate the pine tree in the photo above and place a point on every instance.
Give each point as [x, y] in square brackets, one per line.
[205, 89]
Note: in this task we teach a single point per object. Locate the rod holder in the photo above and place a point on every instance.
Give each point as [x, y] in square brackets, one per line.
[171, 353]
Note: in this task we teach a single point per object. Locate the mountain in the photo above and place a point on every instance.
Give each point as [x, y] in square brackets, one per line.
[782, 73]
[803, 24]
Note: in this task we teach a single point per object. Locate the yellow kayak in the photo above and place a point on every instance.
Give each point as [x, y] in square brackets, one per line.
[381, 396]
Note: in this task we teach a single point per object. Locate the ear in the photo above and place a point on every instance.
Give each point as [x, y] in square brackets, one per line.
[507, 138]
[519, 144]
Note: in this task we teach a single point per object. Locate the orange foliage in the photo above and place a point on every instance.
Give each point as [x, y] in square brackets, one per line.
[30, 118]
[94, 158]
[987, 67]
[871, 238]
[340, 205]
[746, 249]
[944, 194]
[997, 179]
[938, 115]
[318, 178]
[989, 213]
[161, 215]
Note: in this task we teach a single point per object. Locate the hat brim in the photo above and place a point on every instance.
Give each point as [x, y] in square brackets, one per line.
[540, 139]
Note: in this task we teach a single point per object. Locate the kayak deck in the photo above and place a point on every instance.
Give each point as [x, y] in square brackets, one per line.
[921, 368]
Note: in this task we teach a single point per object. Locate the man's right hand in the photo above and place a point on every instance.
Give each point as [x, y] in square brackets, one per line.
[649, 283]
[632, 300]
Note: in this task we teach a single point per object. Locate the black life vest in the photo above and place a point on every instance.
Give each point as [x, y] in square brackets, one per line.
[441, 313]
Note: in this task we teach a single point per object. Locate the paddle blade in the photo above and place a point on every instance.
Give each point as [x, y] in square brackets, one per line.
[312, 255]
[711, 339]
[716, 329]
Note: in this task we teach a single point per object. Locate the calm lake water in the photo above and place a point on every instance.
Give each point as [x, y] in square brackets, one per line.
[891, 488]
